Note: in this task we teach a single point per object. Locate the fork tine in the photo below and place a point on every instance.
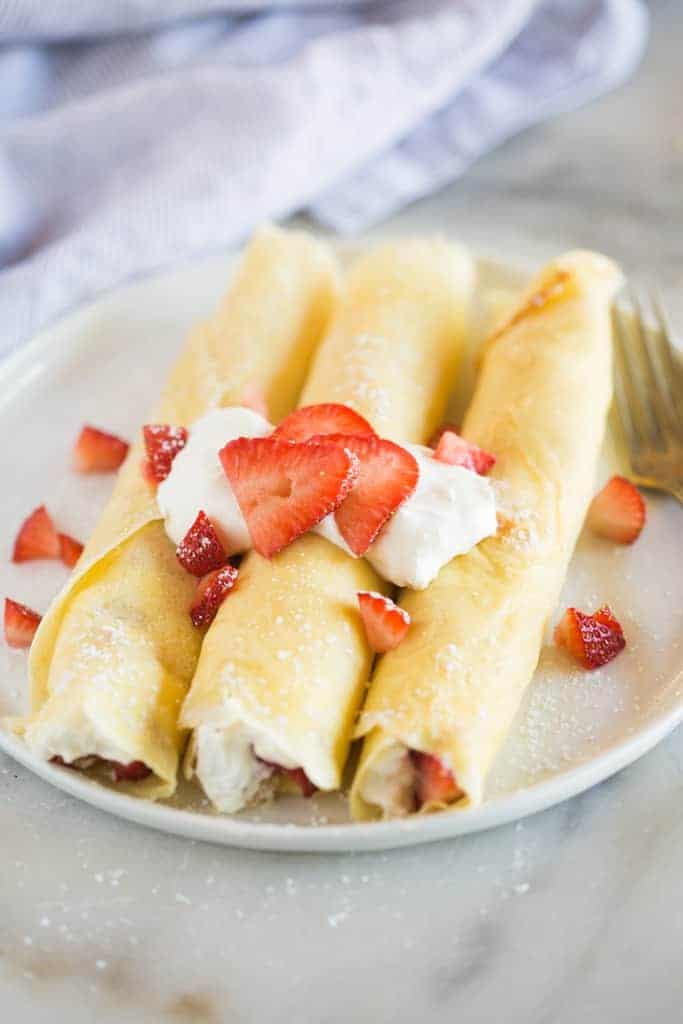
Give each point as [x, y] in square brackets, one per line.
[670, 372]
[623, 385]
[648, 381]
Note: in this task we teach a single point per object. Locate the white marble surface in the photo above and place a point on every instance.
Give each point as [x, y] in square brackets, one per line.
[574, 915]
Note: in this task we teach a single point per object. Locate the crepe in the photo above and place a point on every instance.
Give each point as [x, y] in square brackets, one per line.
[115, 653]
[453, 686]
[283, 666]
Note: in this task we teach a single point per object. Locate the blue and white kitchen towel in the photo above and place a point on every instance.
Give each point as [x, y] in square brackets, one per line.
[137, 132]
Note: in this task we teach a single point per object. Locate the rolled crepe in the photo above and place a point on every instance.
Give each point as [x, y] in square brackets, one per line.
[453, 686]
[283, 666]
[115, 653]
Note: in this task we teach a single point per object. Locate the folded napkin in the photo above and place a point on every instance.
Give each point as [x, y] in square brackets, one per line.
[139, 132]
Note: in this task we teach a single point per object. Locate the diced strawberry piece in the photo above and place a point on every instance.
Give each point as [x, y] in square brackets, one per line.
[434, 783]
[284, 489]
[95, 451]
[70, 549]
[210, 593]
[618, 512]
[385, 623]
[254, 399]
[162, 444]
[592, 640]
[21, 624]
[456, 451]
[133, 772]
[200, 550]
[317, 420]
[37, 538]
[388, 475]
[453, 428]
[301, 779]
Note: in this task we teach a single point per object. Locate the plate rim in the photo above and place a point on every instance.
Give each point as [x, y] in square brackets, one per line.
[31, 359]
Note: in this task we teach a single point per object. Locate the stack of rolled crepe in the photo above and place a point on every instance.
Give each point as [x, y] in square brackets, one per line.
[453, 686]
[115, 653]
[286, 658]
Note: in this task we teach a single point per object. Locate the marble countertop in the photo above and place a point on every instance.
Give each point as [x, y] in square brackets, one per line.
[573, 915]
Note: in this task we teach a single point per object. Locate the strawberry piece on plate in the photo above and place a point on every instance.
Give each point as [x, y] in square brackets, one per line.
[37, 538]
[200, 551]
[618, 511]
[592, 640]
[21, 623]
[284, 489]
[162, 444]
[95, 451]
[70, 549]
[456, 451]
[211, 591]
[434, 783]
[135, 771]
[388, 476]
[385, 623]
[317, 420]
[253, 398]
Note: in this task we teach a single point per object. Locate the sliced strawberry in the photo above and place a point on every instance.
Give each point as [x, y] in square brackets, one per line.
[162, 444]
[21, 624]
[385, 623]
[95, 451]
[200, 550]
[388, 475]
[70, 549]
[592, 640]
[618, 511]
[284, 489]
[434, 783]
[253, 398]
[456, 451]
[37, 538]
[133, 772]
[453, 428]
[210, 593]
[316, 420]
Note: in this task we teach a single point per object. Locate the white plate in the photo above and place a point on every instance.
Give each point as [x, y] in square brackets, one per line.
[105, 365]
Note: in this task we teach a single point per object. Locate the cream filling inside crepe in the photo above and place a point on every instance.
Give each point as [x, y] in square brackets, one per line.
[389, 782]
[229, 764]
[451, 510]
[73, 738]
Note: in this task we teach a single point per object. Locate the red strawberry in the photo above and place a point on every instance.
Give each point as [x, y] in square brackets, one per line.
[385, 623]
[440, 431]
[37, 538]
[456, 451]
[210, 593]
[254, 399]
[388, 475]
[284, 489]
[70, 549]
[316, 420]
[133, 772]
[21, 624]
[98, 452]
[200, 550]
[592, 639]
[434, 783]
[162, 444]
[618, 511]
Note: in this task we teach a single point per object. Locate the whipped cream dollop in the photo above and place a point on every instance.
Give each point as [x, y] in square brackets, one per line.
[389, 782]
[450, 511]
[229, 764]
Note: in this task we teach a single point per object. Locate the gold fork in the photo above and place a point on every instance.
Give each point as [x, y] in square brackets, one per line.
[649, 397]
